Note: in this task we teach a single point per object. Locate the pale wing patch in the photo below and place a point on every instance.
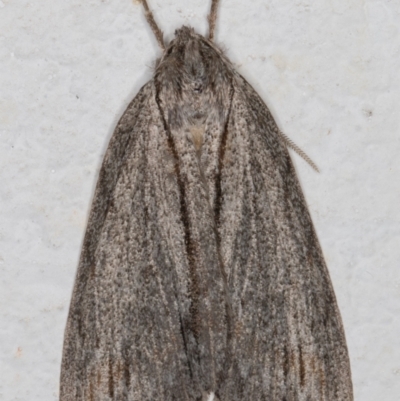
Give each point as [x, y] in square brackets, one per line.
[197, 132]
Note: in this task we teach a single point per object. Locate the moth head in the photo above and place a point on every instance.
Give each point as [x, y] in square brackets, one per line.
[187, 60]
[189, 78]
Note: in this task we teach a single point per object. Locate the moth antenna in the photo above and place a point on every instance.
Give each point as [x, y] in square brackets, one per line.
[301, 153]
[153, 25]
[212, 18]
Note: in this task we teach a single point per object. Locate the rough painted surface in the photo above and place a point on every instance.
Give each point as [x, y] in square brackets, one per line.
[328, 72]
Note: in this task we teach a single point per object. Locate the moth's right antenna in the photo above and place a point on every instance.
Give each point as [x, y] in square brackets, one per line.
[212, 18]
[153, 25]
[300, 152]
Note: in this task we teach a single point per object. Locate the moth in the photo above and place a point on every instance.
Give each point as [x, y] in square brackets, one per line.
[201, 276]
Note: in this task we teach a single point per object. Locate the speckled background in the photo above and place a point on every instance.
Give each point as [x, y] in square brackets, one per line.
[329, 71]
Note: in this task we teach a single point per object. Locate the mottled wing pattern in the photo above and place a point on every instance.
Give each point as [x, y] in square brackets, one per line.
[124, 333]
[288, 341]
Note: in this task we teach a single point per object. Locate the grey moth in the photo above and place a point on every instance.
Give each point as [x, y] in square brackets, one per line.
[201, 276]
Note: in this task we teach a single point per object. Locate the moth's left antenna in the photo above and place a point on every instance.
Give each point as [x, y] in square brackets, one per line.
[212, 18]
[153, 25]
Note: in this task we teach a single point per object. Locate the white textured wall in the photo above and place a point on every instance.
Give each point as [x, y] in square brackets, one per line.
[328, 69]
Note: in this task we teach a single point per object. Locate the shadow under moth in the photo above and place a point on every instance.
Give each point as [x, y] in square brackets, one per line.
[201, 276]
